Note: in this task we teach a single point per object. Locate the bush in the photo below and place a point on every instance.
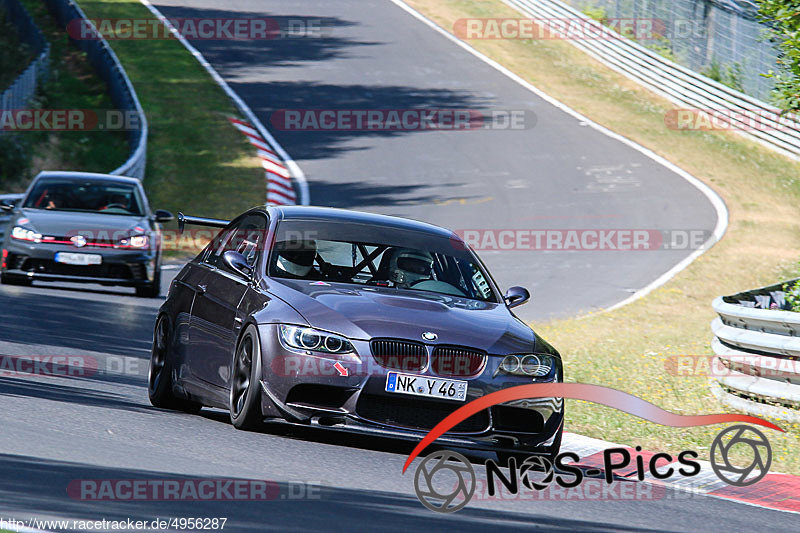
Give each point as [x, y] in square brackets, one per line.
[782, 19]
[14, 159]
[792, 291]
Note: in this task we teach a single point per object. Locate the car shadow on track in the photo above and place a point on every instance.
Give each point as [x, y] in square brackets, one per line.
[98, 326]
[58, 391]
[308, 143]
[31, 486]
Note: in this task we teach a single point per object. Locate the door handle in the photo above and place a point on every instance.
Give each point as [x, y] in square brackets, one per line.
[201, 288]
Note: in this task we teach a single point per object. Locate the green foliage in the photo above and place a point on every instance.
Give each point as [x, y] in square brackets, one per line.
[662, 46]
[14, 159]
[597, 13]
[730, 75]
[782, 17]
[14, 55]
[792, 291]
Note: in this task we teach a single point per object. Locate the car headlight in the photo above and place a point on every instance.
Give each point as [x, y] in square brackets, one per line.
[315, 340]
[529, 365]
[25, 234]
[135, 241]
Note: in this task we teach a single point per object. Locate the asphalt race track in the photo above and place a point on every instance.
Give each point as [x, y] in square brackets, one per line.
[56, 430]
[558, 174]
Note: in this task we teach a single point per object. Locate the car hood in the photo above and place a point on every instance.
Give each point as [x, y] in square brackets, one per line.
[369, 312]
[71, 223]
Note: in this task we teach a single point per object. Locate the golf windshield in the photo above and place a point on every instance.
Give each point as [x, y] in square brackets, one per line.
[108, 197]
[382, 256]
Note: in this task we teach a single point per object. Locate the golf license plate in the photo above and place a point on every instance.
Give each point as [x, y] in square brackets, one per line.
[446, 389]
[78, 259]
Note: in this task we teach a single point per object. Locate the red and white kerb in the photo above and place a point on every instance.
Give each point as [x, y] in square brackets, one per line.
[279, 182]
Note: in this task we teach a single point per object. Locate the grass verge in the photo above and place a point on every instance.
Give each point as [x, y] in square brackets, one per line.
[629, 349]
[72, 84]
[196, 161]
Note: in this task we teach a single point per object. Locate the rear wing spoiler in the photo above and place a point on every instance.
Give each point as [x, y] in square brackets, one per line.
[200, 221]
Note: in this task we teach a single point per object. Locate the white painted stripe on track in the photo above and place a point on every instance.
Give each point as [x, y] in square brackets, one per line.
[295, 170]
[715, 200]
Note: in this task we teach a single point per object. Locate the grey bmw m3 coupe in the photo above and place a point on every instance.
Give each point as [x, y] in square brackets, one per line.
[353, 321]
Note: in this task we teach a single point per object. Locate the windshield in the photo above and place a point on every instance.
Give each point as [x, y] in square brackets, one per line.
[105, 197]
[380, 256]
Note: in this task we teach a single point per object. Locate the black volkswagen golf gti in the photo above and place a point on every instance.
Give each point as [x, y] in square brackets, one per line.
[84, 227]
[354, 321]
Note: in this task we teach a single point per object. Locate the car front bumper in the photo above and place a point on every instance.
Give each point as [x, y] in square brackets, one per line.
[308, 389]
[36, 261]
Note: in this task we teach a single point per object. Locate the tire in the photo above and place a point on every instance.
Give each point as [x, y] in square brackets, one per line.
[245, 396]
[19, 281]
[153, 290]
[159, 377]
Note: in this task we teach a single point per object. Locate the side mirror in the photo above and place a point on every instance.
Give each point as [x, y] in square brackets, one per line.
[6, 205]
[236, 262]
[516, 296]
[163, 215]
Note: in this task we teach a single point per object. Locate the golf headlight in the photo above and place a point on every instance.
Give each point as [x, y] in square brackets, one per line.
[529, 365]
[315, 340]
[25, 234]
[135, 241]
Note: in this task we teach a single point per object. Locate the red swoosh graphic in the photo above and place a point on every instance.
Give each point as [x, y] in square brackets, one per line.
[619, 400]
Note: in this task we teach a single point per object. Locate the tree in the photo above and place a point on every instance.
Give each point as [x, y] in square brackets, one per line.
[782, 17]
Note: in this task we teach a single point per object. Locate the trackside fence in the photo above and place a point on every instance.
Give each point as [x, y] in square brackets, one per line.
[20, 92]
[108, 66]
[684, 87]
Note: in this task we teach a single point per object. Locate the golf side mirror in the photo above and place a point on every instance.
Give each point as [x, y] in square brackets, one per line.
[236, 262]
[162, 215]
[516, 296]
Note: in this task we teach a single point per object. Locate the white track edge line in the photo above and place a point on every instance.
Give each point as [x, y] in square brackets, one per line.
[715, 200]
[576, 439]
[293, 167]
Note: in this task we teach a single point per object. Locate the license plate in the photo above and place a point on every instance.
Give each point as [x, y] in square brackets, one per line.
[446, 389]
[78, 259]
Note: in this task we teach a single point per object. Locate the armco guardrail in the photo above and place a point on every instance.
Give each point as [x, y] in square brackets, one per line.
[4, 217]
[105, 62]
[19, 93]
[682, 86]
[757, 347]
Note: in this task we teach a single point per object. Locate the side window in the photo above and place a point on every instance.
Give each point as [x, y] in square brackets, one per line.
[247, 237]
